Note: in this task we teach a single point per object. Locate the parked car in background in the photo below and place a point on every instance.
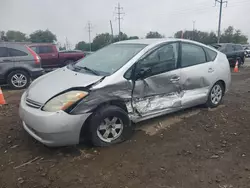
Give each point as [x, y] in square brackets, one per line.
[247, 50]
[234, 52]
[52, 58]
[18, 65]
[130, 81]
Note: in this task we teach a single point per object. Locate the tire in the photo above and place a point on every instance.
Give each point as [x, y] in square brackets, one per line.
[240, 62]
[18, 79]
[211, 101]
[99, 126]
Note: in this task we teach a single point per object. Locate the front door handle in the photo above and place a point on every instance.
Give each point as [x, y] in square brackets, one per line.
[175, 79]
[6, 60]
[210, 70]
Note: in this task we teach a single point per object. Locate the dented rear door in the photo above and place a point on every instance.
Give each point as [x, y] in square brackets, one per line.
[197, 75]
[159, 90]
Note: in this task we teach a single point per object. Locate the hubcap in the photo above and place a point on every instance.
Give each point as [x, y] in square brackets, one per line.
[216, 94]
[110, 129]
[19, 80]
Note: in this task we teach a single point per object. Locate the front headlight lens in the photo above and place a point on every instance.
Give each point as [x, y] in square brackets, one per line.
[64, 101]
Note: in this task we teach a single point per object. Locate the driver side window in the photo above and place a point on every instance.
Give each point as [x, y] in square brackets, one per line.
[161, 60]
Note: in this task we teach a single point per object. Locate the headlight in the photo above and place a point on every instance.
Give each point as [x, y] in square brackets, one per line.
[64, 101]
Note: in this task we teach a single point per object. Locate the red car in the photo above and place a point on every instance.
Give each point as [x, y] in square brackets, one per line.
[52, 58]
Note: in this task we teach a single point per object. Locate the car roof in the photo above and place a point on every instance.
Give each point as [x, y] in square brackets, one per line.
[41, 44]
[147, 41]
[154, 42]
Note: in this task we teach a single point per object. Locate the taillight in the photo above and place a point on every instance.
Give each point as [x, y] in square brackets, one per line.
[36, 57]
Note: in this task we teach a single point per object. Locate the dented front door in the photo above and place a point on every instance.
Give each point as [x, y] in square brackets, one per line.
[159, 90]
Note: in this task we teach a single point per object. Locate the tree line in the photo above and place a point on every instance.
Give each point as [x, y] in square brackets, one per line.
[229, 35]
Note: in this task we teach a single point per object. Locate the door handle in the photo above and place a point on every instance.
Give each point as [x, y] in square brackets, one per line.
[210, 70]
[6, 60]
[175, 79]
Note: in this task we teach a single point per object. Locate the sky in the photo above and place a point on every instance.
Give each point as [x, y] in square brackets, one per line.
[69, 18]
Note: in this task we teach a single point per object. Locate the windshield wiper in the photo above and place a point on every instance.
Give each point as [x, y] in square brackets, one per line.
[87, 69]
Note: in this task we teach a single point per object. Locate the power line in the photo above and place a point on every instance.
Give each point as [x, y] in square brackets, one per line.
[119, 17]
[89, 29]
[221, 2]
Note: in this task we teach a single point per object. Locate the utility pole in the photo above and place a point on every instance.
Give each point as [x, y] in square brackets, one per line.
[221, 2]
[193, 29]
[67, 44]
[89, 29]
[119, 13]
[112, 33]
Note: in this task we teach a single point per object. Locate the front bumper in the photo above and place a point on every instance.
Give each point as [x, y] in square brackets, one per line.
[51, 128]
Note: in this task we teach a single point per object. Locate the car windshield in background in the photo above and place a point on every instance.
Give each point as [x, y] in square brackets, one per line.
[219, 47]
[109, 59]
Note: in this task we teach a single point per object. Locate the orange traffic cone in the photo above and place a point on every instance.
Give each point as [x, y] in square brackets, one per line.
[236, 68]
[2, 100]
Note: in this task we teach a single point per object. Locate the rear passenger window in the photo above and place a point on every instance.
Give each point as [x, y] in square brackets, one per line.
[192, 55]
[238, 47]
[45, 49]
[16, 53]
[3, 52]
[211, 55]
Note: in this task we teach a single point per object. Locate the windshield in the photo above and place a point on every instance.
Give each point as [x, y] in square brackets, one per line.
[109, 59]
[219, 47]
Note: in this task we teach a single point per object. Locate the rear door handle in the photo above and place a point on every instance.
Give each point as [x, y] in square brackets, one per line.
[175, 79]
[210, 70]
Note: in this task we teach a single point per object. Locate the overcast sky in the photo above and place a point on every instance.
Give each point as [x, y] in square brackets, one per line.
[68, 18]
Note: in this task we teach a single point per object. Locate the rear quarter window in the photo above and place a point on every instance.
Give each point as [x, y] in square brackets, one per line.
[16, 53]
[211, 55]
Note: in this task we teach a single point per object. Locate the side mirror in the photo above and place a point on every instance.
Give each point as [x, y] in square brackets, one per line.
[142, 73]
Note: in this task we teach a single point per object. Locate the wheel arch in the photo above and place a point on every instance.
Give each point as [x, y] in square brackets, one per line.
[15, 69]
[223, 84]
[85, 127]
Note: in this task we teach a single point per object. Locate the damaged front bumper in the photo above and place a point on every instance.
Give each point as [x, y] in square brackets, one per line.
[51, 128]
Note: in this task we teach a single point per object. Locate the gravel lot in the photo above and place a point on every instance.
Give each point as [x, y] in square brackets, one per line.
[194, 148]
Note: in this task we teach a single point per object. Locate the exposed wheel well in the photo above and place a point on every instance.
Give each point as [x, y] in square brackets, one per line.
[223, 84]
[16, 69]
[85, 126]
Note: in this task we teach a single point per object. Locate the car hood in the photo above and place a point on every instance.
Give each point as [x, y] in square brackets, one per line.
[49, 85]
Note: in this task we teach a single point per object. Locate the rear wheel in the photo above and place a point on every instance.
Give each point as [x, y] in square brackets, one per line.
[109, 125]
[215, 96]
[18, 79]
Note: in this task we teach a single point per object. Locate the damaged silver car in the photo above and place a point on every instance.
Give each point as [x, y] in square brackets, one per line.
[102, 95]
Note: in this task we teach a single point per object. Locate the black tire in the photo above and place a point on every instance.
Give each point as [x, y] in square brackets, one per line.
[210, 103]
[240, 63]
[98, 117]
[25, 75]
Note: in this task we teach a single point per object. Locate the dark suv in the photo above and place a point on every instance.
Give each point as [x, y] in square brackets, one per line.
[18, 65]
[234, 52]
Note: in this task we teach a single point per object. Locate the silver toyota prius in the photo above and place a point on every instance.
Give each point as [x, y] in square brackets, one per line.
[100, 97]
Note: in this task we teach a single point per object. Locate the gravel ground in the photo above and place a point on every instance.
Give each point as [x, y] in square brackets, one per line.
[194, 148]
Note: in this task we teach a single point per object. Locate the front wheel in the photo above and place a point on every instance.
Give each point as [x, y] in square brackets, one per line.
[215, 96]
[109, 125]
